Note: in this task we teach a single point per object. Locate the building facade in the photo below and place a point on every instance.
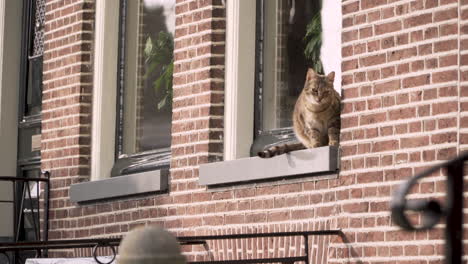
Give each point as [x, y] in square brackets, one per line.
[125, 150]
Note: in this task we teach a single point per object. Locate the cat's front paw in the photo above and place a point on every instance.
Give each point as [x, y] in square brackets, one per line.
[334, 143]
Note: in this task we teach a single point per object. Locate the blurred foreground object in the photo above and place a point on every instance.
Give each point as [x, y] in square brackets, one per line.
[150, 244]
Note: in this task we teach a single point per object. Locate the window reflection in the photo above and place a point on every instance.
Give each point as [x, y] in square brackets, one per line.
[284, 60]
[147, 93]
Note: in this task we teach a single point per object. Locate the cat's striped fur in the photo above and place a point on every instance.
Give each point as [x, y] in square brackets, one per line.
[316, 116]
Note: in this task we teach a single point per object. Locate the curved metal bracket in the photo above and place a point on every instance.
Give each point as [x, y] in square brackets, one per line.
[95, 256]
[432, 211]
[6, 256]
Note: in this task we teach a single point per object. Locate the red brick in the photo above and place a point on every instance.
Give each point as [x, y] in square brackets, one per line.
[372, 119]
[385, 146]
[446, 14]
[445, 45]
[373, 60]
[432, 32]
[402, 54]
[366, 4]
[402, 113]
[356, 208]
[418, 20]
[365, 32]
[414, 142]
[388, 27]
[350, 8]
[359, 106]
[446, 30]
[387, 87]
[443, 108]
[416, 81]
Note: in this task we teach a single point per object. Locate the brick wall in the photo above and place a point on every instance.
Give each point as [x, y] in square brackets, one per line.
[67, 90]
[402, 91]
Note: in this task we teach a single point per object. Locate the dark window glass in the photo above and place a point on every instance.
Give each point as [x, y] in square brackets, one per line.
[35, 48]
[146, 66]
[289, 41]
[283, 62]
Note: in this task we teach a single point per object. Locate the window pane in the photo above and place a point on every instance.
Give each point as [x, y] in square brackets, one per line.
[284, 63]
[33, 93]
[147, 92]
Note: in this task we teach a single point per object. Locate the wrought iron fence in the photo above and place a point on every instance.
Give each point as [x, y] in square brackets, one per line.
[27, 205]
[113, 243]
[432, 211]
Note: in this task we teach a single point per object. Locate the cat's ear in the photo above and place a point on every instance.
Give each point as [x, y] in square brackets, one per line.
[331, 76]
[311, 74]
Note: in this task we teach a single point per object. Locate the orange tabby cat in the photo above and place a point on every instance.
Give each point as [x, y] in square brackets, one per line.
[316, 117]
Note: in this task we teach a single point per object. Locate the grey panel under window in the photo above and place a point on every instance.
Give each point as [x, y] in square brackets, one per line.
[29, 143]
[309, 162]
[118, 187]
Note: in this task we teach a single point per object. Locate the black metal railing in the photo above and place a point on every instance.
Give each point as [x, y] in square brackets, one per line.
[113, 243]
[432, 211]
[26, 202]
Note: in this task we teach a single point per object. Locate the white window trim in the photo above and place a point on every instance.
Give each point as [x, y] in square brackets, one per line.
[331, 40]
[239, 108]
[104, 88]
[239, 92]
[102, 186]
[240, 71]
[10, 57]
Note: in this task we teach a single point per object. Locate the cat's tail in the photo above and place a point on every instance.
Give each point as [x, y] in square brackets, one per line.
[280, 149]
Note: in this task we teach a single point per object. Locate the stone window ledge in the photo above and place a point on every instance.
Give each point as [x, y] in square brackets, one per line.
[323, 160]
[104, 259]
[119, 187]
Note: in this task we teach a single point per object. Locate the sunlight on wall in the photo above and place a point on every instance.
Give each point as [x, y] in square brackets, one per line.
[331, 40]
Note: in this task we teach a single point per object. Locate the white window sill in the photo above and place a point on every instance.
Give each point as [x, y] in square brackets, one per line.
[122, 186]
[318, 161]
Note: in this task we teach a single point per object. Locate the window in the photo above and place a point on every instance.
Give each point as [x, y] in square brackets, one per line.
[132, 95]
[132, 87]
[282, 63]
[265, 71]
[144, 111]
[289, 37]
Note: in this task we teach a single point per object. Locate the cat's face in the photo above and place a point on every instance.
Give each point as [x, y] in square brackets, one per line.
[318, 87]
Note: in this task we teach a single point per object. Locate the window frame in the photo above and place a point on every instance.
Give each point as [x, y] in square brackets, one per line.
[137, 162]
[108, 85]
[242, 134]
[102, 187]
[104, 89]
[240, 82]
[264, 138]
[239, 92]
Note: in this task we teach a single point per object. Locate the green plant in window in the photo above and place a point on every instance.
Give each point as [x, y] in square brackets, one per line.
[313, 43]
[160, 63]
